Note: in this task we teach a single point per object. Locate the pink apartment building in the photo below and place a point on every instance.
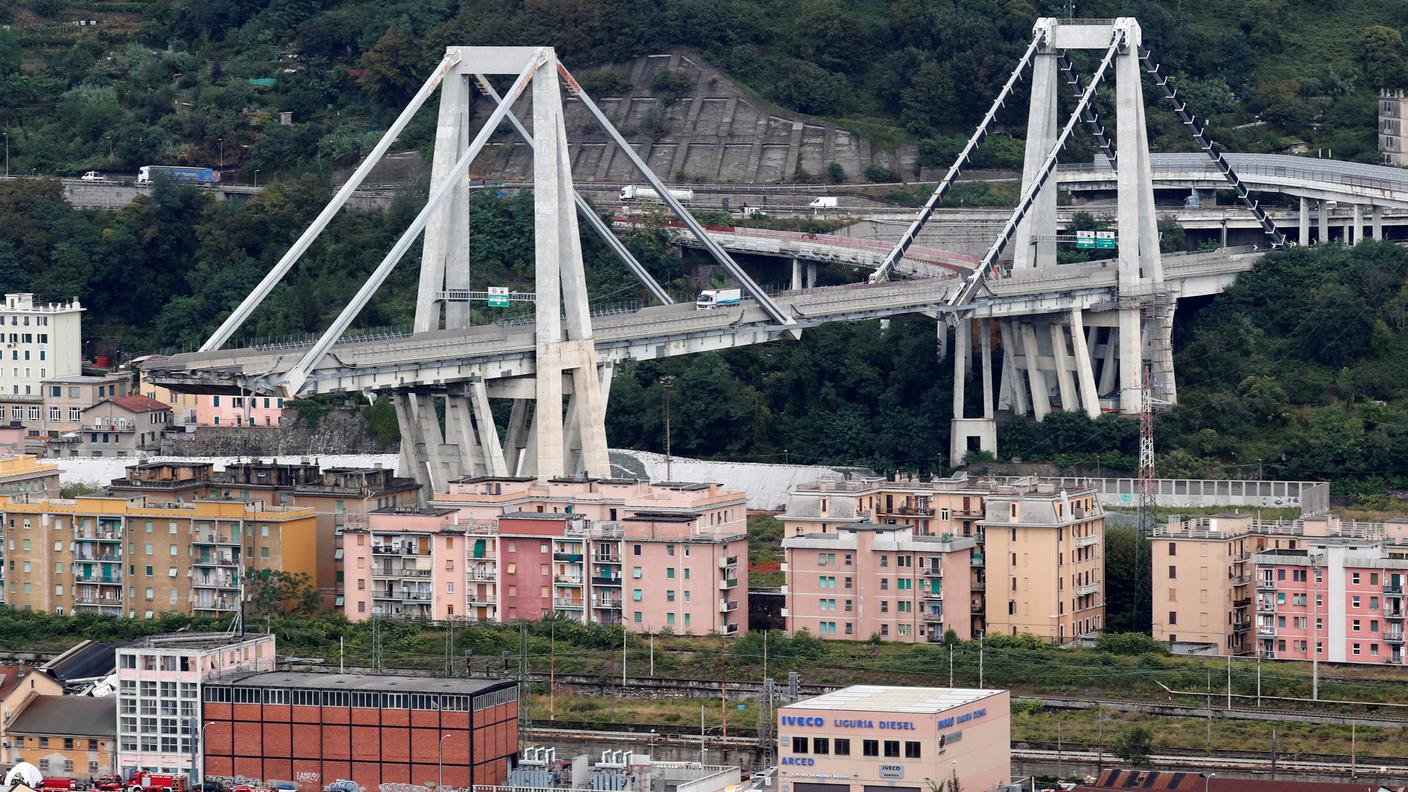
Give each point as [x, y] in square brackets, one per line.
[202, 409]
[657, 557]
[1337, 599]
[878, 580]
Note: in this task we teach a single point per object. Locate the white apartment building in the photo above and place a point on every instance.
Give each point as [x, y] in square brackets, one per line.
[40, 341]
[160, 682]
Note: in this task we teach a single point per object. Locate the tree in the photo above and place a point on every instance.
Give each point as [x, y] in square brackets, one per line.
[1172, 239]
[1134, 746]
[830, 36]
[811, 89]
[930, 103]
[394, 66]
[1382, 56]
[274, 592]
[1127, 605]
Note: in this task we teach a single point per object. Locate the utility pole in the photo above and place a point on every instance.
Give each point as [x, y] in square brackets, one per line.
[1229, 682]
[1148, 503]
[1273, 753]
[950, 665]
[552, 670]
[667, 384]
[980, 662]
[1209, 704]
[1258, 676]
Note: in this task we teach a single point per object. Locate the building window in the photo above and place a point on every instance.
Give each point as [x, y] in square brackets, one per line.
[799, 745]
[911, 750]
[1172, 572]
[892, 749]
[821, 745]
[843, 746]
[870, 747]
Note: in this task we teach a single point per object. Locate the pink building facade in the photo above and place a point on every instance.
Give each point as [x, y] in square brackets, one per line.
[1338, 600]
[882, 581]
[657, 557]
[202, 409]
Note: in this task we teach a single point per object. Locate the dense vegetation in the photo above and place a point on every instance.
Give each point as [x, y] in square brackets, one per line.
[204, 81]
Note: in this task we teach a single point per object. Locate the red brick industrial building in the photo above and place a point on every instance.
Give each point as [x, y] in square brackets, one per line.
[313, 729]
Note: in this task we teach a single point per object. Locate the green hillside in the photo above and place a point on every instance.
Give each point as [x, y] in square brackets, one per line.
[204, 81]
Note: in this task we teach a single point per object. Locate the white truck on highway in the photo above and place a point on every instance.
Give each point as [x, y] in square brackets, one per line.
[718, 298]
[823, 202]
[633, 192]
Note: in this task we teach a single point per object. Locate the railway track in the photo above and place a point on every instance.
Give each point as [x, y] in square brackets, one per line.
[645, 686]
[1244, 761]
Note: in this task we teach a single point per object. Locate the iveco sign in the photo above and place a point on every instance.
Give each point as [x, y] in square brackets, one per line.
[795, 720]
[846, 723]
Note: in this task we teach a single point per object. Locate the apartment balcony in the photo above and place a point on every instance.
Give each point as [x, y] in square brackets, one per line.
[563, 603]
[396, 548]
[1392, 590]
[605, 559]
[1087, 541]
[1396, 614]
[114, 580]
[482, 574]
[1241, 626]
[214, 539]
[969, 514]
[728, 561]
[1087, 590]
[415, 596]
[1265, 631]
[575, 558]
[1242, 602]
[1265, 606]
[216, 582]
[931, 594]
[933, 615]
[606, 580]
[217, 606]
[1241, 580]
[483, 599]
[978, 585]
[977, 560]
[932, 571]
[90, 535]
[1241, 558]
[214, 560]
[726, 605]
[1394, 636]
[96, 601]
[1265, 584]
[917, 511]
[730, 629]
[728, 583]
[567, 580]
[607, 603]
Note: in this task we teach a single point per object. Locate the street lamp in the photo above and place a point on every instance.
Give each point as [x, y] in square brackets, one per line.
[222, 151]
[443, 738]
[667, 383]
[200, 771]
[256, 177]
[1207, 779]
[7, 154]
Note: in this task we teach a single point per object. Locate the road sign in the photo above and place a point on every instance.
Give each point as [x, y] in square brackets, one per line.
[1105, 240]
[1085, 240]
[498, 296]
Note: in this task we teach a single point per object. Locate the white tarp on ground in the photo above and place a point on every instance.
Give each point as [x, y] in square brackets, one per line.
[766, 484]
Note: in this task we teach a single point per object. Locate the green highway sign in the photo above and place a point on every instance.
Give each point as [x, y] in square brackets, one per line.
[1085, 240]
[498, 296]
[1105, 240]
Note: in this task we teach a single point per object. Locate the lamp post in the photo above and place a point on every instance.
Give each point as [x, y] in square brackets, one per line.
[200, 771]
[1207, 779]
[443, 738]
[256, 177]
[221, 141]
[7, 154]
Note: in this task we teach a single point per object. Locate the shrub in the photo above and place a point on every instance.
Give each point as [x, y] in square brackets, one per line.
[875, 172]
[1129, 643]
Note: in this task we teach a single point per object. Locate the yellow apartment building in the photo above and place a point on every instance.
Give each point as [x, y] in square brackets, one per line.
[126, 556]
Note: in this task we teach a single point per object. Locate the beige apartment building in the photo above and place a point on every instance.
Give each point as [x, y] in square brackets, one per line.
[127, 557]
[1045, 560]
[65, 399]
[1052, 587]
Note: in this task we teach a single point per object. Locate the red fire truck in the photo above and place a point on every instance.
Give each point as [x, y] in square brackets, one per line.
[58, 785]
[156, 782]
